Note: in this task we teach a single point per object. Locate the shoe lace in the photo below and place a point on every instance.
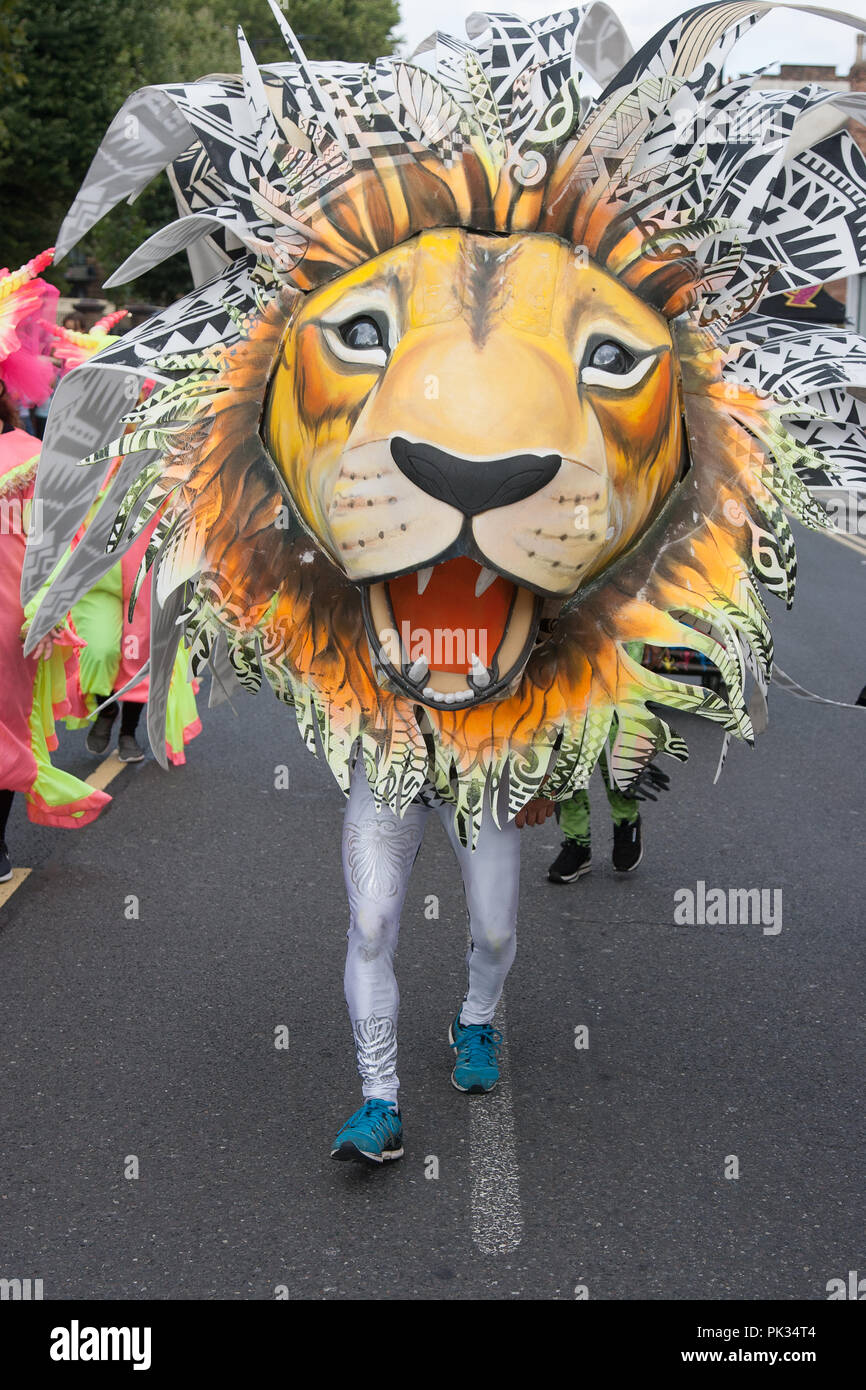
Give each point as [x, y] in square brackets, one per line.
[378, 1115]
[478, 1044]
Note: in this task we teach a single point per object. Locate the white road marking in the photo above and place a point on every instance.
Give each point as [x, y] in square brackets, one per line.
[497, 1220]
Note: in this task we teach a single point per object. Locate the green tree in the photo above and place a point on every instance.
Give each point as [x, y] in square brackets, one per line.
[10, 31]
[77, 61]
[66, 66]
[10, 74]
[354, 31]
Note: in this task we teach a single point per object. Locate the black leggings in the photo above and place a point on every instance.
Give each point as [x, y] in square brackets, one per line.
[129, 715]
[5, 808]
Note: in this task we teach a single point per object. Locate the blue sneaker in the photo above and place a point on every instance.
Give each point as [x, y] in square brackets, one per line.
[373, 1134]
[477, 1046]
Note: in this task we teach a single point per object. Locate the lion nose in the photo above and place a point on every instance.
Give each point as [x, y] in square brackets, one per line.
[470, 485]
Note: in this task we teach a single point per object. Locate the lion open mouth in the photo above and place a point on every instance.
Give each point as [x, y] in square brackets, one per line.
[456, 633]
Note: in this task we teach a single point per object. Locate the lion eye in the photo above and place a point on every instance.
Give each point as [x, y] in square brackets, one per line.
[362, 333]
[363, 341]
[611, 357]
[614, 367]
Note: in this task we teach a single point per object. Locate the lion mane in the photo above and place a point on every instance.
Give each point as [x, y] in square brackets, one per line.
[292, 175]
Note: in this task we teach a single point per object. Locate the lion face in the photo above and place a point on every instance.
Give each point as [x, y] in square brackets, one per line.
[470, 425]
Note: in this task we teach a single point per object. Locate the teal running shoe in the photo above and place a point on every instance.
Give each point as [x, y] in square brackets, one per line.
[477, 1046]
[373, 1134]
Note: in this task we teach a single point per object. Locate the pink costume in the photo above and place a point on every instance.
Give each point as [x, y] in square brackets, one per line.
[33, 691]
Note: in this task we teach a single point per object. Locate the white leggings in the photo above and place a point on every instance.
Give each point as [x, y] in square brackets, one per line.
[379, 850]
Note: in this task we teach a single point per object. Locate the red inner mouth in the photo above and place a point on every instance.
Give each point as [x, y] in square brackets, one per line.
[448, 605]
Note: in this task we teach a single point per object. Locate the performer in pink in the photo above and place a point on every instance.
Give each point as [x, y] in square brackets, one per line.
[117, 641]
[38, 689]
[118, 647]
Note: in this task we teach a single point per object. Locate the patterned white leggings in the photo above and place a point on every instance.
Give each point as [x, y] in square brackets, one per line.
[379, 850]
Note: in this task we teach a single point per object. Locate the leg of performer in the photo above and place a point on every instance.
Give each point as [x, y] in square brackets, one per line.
[129, 716]
[379, 850]
[99, 734]
[491, 882]
[5, 807]
[128, 749]
[98, 619]
[625, 810]
[622, 806]
[574, 818]
[575, 858]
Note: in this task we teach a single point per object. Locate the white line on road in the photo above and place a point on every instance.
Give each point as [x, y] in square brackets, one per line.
[497, 1220]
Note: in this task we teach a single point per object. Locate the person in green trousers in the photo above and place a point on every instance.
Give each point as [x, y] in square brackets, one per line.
[575, 857]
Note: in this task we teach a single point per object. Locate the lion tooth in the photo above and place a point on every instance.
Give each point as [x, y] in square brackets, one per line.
[484, 580]
[480, 673]
[424, 578]
[418, 671]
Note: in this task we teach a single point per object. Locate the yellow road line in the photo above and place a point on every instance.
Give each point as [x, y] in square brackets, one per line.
[7, 889]
[100, 779]
[106, 772]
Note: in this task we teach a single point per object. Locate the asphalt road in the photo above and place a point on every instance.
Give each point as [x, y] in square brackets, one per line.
[602, 1167]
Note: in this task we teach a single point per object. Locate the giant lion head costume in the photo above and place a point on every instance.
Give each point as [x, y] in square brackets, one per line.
[474, 390]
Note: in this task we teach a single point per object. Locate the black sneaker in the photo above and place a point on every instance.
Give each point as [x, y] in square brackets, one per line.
[627, 847]
[573, 860]
[5, 863]
[99, 734]
[861, 698]
[128, 750]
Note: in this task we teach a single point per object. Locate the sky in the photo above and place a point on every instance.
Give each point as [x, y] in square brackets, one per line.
[784, 37]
